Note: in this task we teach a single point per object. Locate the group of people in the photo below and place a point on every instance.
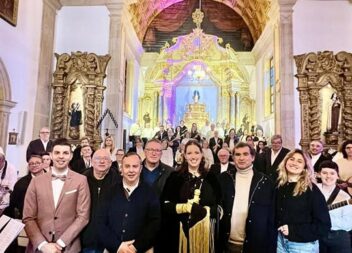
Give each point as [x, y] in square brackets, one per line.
[273, 200]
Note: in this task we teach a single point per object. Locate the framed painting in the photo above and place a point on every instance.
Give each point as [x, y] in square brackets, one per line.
[8, 11]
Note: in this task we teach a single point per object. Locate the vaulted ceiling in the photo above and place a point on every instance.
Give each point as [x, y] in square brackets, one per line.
[238, 22]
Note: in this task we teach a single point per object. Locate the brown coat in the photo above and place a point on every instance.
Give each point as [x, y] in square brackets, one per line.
[66, 221]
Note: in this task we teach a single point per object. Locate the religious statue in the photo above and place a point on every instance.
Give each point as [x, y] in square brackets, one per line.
[75, 121]
[334, 113]
[245, 122]
[196, 96]
[146, 119]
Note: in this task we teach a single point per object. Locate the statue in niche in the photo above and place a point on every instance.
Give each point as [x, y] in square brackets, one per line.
[245, 122]
[75, 121]
[334, 114]
[196, 96]
[146, 119]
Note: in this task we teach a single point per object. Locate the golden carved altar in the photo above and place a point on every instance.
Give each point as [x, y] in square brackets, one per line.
[196, 113]
[78, 95]
[224, 68]
[315, 72]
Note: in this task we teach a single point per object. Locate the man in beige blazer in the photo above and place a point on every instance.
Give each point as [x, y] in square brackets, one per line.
[57, 205]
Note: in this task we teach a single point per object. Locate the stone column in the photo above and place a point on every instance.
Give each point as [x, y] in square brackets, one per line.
[5, 107]
[285, 116]
[232, 108]
[161, 108]
[155, 119]
[46, 59]
[237, 111]
[115, 73]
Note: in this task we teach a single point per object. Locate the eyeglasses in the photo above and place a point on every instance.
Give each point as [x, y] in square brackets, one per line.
[153, 150]
[34, 164]
[119, 154]
[45, 132]
[101, 158]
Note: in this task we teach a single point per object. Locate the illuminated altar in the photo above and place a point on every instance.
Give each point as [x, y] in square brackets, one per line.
[196, 62]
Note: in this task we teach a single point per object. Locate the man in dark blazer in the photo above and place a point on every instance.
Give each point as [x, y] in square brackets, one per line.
[130, 217]
[224, 164]
[161, 134]
[215, 144]
[248, 203]
[41, 145]
[56, 206]
[315, 152]
[85, 161]
[273, 157]
[35, 168]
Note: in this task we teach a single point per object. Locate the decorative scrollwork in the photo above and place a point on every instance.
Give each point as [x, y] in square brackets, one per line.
[315, 71]
[78, 80]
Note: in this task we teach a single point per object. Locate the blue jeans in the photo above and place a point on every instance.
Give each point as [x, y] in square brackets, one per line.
[286, 246]
[91, 250]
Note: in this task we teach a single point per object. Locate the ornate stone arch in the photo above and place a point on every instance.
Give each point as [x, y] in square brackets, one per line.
[314, 71]
[5, 103]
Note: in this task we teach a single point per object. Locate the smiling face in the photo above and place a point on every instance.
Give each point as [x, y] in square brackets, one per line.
[35, 165]
[328, 176]
[101, 161]
[193, 156]
[295, 165]
[315, 147]
[131, 169]
[44, 134]
[61, 156]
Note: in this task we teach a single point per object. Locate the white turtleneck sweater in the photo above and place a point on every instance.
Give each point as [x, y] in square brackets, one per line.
[240, 206]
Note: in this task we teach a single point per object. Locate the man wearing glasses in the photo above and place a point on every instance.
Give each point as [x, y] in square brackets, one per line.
[155, 172]
[41, 145]
[101, 179]
[35, 168]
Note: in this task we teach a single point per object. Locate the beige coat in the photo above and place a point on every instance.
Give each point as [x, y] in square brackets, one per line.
[66, 221]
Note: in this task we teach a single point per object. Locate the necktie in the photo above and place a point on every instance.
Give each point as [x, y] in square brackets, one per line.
[61, 177]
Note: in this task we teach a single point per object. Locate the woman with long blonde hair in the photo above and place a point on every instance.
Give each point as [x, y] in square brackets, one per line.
[109, 145]
[302, 215]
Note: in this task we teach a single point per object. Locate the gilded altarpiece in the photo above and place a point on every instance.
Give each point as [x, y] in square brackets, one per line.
[196, 51]
[317, 72]
[78, 89]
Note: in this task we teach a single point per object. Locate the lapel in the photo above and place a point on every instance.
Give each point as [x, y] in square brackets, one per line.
[49, 189]
[66, 186]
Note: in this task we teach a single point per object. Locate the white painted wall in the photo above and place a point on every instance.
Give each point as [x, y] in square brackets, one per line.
[82, 28]
[19, 50]
[319, 26]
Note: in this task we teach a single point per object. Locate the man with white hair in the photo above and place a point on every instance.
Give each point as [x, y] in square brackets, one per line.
[8, 178]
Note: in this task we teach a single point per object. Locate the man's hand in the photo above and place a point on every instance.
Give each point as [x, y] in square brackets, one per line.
[51, 248]
[125, 247]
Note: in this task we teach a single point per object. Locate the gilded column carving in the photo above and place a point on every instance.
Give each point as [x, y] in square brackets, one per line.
[314, 72]
[78, 80]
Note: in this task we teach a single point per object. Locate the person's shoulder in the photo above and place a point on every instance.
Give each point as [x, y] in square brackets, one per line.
[77, 176]
[264, 178]
[166, 167]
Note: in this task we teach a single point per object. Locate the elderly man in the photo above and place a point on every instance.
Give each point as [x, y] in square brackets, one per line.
[85, 162]
[41, 145]
[215, 144]
[101, 179]
[130, 217]
[8, 178]
[154, 172]
[224, 164]
[56, 206]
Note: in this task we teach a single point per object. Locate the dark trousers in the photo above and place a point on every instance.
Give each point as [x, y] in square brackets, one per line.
[234, 248]
[336, 242]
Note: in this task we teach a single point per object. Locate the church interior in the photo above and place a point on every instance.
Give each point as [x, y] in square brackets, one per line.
[96, 67]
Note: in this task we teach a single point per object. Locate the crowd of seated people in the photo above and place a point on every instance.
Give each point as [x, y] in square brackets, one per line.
[180, 190]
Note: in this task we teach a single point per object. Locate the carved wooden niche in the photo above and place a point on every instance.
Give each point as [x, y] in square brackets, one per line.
[78, 95]
[325, 93]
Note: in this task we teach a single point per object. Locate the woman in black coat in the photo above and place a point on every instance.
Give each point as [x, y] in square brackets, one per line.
[190, 198]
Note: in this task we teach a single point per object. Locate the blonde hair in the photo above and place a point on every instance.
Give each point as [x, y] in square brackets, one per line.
[305, 180]
[112, 148]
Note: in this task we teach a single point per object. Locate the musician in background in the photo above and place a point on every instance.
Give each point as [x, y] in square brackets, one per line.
[338, 240]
